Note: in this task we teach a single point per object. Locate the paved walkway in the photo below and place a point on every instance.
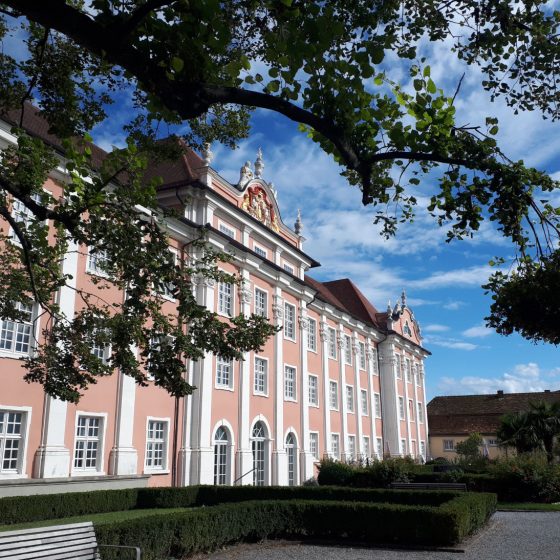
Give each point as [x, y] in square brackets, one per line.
[510, 535]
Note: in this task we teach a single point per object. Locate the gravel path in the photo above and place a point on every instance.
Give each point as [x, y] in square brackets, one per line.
[511, 535]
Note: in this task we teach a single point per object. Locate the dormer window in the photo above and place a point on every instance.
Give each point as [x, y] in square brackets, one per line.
[230, 232]
[407, 330]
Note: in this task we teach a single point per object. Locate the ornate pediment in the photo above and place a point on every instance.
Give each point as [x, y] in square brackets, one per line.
[257, 203]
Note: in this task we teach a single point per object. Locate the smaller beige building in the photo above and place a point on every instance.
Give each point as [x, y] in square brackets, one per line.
[452, 419]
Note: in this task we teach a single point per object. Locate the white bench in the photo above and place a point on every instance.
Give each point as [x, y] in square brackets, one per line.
[76, 541]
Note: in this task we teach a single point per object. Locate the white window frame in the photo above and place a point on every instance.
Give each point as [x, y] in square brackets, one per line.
[350, 400]
[261, 251]
[362, 355]
[374, 362]
[377, 404]
[366, 447]
[288, 268]
[449, 445]
[398, 362]
[91, 263]
[423, 448]
[492, 442]
[226, 300]
[331, 343]
[315, 392]
[101, 352]
[312, 335]
[290, 383]
[98, 470]
[335, 436]
[33, 325]
[218, 384]
[226, 229]
[228, 453]
[20, 470]
[332, 394]
[165, 291]
[257, 311]
[403, 446]
[36, 197]
[256, 391]
[401, 408]
[379, 447]
[164, 468]
[408, 369]
[420, 412]
[315, 452]
[289, 322]
[352, 450]
[411, 410]
[347, 350]
[364, 402]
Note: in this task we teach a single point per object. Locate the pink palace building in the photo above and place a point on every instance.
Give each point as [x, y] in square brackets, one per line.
[340, 379]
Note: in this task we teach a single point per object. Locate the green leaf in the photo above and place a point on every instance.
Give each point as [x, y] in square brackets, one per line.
[431, 86]
[177, 63]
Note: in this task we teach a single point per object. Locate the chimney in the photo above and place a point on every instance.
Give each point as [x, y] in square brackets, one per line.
[500, 393]
[547, 390]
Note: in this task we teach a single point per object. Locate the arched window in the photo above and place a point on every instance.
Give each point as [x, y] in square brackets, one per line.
[221, 456]
[259, 448]
[291, 450]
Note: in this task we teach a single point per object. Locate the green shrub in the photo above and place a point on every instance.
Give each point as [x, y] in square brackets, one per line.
[335, 473]
[205, 529]
[21, 509]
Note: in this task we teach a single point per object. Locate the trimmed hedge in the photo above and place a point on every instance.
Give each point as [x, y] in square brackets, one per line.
[205, 529]
[24, 509]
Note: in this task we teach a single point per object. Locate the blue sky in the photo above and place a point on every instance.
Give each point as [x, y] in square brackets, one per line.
[442, 280]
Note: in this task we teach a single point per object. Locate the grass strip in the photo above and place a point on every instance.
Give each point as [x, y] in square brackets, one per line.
[527, 506]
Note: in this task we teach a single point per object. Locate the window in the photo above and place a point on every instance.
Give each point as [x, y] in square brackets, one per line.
[420, 412]
[156, 444]
[335, 445]
[363, 400]
[350, 398]
[290, 383]
[224, 373]
[291, 452]
[332, 343]
[230, 232]
[347, 350]
[22, 214]
[289, 321]
[221, 463]
[333, 395]
[225, 299]
[403, 446]
[314, 390]
[87, 450]
[362, 350]
[411, 410]
[314, 444]
[12, 444]
[98, 262]
[312, 335]
[260, 251]
[16, 337]
[352, 447]
[101, 351]
[374, 364]
[399, 365]
[408, 371]
[288, 268]
[167, 289]
[423, 449]
[261, 303]
[365, 446]
[492, 442]
[377, 404]
[261, 376]
[379, 448]
[259, 449]
[448, 445]
[401, 408]
[419, 373]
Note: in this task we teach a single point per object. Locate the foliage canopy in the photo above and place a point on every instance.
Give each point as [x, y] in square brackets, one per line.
[208, 64]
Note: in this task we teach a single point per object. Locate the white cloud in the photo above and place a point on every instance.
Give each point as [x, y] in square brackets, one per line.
[478, 331]
[462, 277]
[435, 328]
[454, 305]
[451, 343]
[523, 378]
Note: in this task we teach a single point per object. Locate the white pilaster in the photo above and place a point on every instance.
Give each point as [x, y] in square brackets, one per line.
[357, 396]
[306, 458]
[184, 460]
[370, 369]
[52, 459]
[323, 335]
[389, 399]
[406, 407]
[279, 462]
[342, 389]
[244, 456]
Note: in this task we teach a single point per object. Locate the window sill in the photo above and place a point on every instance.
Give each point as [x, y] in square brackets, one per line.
[314, 405]
[287, 339]
[223, 388]
[290, 399]
[156, 471]
[12, 476]
[258, 394]
[224, 315]
[311, 350]
[98, 274]
[89, 472]
[14, 355]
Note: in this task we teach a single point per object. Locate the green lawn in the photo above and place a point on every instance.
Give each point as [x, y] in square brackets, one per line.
[528, 506]
[97, 518]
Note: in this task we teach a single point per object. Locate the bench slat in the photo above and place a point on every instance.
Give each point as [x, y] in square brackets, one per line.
[6, 543]
[60, 552]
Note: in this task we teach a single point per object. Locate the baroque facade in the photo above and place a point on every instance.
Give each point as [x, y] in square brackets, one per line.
[339, 379]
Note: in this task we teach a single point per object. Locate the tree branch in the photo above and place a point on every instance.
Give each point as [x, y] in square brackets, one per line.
[139, 14]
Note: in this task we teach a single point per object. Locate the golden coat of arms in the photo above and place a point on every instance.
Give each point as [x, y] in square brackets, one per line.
[256, 203]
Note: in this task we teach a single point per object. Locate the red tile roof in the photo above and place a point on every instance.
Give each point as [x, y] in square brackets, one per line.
[465, 414]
